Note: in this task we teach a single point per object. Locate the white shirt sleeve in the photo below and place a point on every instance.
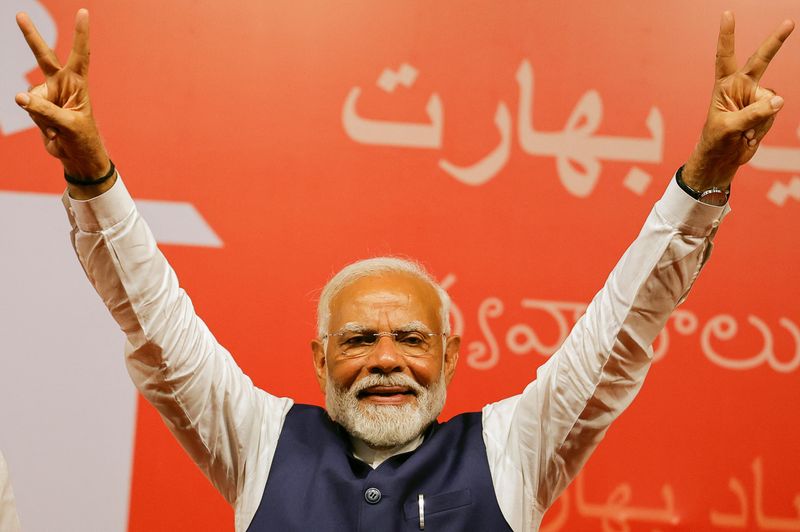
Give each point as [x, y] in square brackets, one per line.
[229, 427]
[538, 441]
[9, 521]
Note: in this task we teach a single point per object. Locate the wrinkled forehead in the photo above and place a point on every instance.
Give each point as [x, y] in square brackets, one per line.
[386, 301]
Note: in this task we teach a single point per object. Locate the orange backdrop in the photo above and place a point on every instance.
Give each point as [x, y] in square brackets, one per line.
[309, 134]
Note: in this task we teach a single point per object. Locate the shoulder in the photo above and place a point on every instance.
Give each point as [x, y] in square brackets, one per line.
[460, 426]
[308, 421]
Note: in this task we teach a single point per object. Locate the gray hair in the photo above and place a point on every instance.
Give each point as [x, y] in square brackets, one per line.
[377, 266]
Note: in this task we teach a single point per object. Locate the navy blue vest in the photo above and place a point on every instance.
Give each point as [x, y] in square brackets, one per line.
[316, 485]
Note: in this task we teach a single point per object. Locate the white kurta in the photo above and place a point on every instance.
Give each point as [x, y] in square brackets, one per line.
[9, 521]
[536, 442]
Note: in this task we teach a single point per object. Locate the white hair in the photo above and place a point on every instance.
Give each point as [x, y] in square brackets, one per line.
[384, 426]
[377, 266]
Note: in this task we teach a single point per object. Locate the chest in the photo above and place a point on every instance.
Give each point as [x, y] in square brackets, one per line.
[315, 484]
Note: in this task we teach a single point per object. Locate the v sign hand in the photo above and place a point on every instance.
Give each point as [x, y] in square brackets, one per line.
[741, 111]
[61, 106]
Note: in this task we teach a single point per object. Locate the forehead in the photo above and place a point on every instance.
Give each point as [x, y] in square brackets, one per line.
[386, 300]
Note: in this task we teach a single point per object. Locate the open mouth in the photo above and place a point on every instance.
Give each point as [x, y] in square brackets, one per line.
[386, 393]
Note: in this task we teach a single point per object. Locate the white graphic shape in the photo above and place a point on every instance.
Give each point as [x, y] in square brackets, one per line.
[393, 133]
[17, 60]
[578, 149]
[779, 193]
[68, 408]
[387, 133]
[777, 158]
[486, 168]
[637, 181]
[725, 327]
[406, 75]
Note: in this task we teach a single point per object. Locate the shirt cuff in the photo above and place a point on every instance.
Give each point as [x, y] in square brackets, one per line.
[687, 214]
[101, 212]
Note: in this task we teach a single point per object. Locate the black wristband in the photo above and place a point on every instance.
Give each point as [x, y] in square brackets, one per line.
[686, 188]
[89, 182]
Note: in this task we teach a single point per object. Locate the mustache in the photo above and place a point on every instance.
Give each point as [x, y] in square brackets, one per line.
[396, 379]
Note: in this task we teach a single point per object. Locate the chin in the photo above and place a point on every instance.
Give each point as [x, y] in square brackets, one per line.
[386, 423]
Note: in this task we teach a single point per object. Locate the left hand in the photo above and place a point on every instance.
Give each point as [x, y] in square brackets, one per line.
[741, 111]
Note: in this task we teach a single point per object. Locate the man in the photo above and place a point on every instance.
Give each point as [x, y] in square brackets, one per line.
[377, 459]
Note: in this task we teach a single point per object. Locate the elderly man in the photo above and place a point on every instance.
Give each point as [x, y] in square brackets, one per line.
[376, 458]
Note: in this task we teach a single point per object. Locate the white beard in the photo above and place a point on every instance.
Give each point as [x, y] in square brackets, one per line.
[385, 426]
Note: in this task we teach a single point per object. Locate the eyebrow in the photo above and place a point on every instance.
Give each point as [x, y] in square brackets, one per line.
[412, 326]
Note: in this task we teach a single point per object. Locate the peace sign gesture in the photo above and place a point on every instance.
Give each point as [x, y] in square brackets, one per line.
[741, 111]
[60, 106]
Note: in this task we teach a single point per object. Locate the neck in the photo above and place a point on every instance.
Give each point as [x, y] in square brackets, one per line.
[375, 456]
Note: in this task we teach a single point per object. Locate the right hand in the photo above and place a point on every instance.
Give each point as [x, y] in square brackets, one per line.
[60, 106]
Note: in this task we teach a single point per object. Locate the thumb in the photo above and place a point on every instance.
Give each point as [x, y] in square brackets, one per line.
[43, 110]
[754, 115]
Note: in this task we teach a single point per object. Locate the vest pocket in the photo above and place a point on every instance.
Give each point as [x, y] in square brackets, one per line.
[437, 503]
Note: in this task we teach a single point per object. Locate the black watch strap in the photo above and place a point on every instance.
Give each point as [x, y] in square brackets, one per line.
[697, 194]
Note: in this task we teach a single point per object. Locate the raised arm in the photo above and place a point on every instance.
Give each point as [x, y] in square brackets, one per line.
[538, 441]
[227, 425]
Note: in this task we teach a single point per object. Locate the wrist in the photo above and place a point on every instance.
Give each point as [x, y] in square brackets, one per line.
[703, 171]
[86, 192]
[82, 187]
[711, 196]
[87, 169]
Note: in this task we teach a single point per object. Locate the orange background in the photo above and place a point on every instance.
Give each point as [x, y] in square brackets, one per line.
[236, 107]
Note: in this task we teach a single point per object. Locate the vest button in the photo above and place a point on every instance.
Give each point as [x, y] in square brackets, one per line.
[372, 495]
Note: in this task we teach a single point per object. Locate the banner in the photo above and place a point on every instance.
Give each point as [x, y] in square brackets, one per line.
[514, 148]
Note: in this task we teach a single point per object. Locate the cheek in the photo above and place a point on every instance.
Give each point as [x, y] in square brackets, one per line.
[426, 371]
[343, 373]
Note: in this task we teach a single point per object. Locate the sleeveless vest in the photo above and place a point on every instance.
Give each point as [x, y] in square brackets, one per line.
[316, 485]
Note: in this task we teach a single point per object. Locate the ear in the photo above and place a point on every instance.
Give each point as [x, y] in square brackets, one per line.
[320, 364]
[451, 357]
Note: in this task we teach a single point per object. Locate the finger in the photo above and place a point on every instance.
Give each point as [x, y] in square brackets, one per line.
[78, 60]
[39, 90]
[754, 115]
[48, 132]
[43, 111]
[45, 57]
[760, 132]
[759, 61]
[764, 92]
[726, 58]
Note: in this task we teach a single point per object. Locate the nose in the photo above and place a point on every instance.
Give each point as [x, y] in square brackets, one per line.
[385, 358]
